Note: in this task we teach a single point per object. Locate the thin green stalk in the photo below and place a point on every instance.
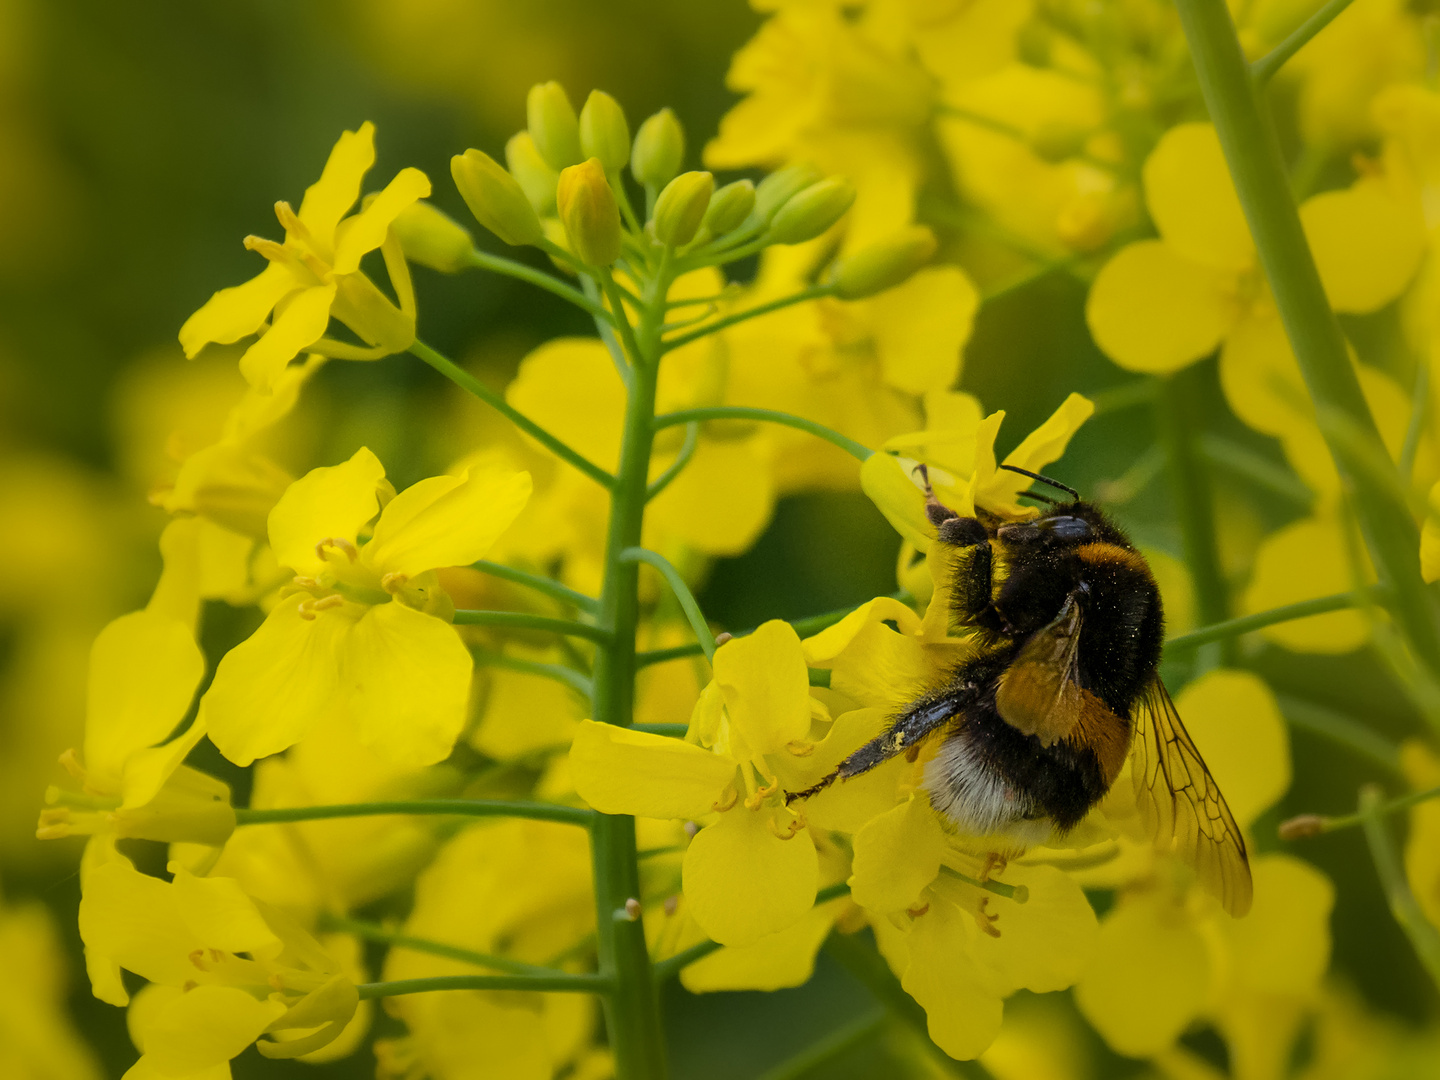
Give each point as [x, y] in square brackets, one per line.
[622, 324]
[568, 815]
[572, 984]
[397, 940]
[1252, 151]
[566, 676]
[770, 416]
[1125, 396]
[1424, 937]
[462, 378]
[812, 293]
[1344, 731]
[819, 1059]
[682, 593]
[632, 1010]
[674, 469]
[1318, 824]
[482, 260]
[870, 970]
[1265, 68]
[540, 584]
[606, 329]
[519, 620]
[1245, 624]
[1194, 511]
[1419, 413]
[670, 731]
[1260, 471]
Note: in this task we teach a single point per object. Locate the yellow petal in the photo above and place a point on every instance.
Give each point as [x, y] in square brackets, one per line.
[1042, 446]
[878, 667]
[1149, 979]
[298, 324]
[447, 520]
[896, 856]
[1283, 945]
[766, 686]
[743, 883]
[962, 1015]
[1192, 199]
[569, 387]
[886, 480]
[330, 503]
[921, 328]
[366, 230]
[772, 963]
[206, 1027]
[1237, 726]
[849, 806]
[134, 920]
[217, 911]
[238, 311]
[144, 668]
[1430, 539]
[1046, 943]
[721, 503]
[327, 200]
[1367, 245]
[147, 770]
[1260, 377]
[619, 771]
[406, 678]
[273, 686]
[1153, 310]
[1304, 560]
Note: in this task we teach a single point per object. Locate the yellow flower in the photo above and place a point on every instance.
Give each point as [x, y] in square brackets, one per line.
[1422, 846]
[144, 670]
[753, 871]
[1316, 556]
[369, 641]
[316, 273]
[225, 970]
[37, 1038]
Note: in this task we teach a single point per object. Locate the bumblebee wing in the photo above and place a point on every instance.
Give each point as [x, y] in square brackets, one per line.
[1181, 803]
[1039, 693]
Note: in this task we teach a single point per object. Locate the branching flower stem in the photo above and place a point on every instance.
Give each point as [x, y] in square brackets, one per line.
[812, 293]
[519, 620]
[1252, 150]
[687, 451]
[548, 586]
[575, 984]
[568, 815]
[394, 938]
[682, 593]
[1265, 68]
[1424, 937]
[484, 261]
[770, 416]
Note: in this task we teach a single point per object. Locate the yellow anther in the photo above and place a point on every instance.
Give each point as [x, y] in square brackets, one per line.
[270, 250]
[672, 904]
[800, 748]
[71, 761]
[785, 832]
[276, 983]
[995, 864]
[728, 798]
[293, 226]
[188, 985]
[393, 582]
[985, 920]
[338, 543]
[54, 824]
[916, 912]
[198, 959]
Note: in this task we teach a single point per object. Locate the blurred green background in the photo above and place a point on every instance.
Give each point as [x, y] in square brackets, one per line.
[140, 142]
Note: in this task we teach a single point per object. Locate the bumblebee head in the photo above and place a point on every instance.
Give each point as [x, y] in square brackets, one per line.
[1056, 530]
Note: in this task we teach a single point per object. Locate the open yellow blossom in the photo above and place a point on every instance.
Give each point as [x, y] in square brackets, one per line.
[753, 871]
[227, 970]
[316, 273]
[369, 641]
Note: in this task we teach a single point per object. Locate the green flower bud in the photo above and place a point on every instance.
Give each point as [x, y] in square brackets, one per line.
[590, 213]
[883, 264]
[432, 238]
[777, 188]
[533, 173]
[729, 207]
[810, 212]
[495, 198]
[659, 150]
[550, 118]
[681, 207]
[604, 132]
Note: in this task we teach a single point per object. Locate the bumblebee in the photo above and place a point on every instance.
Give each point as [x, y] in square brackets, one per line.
[1036, 725]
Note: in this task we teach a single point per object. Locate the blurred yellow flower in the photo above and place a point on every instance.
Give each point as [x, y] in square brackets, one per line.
[316, 273]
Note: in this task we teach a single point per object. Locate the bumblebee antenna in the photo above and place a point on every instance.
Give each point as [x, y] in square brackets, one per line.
[1044, 480]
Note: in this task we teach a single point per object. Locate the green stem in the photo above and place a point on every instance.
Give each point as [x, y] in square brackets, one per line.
[1232, 628]
[568, 815]
[1404, 802]
[670, 731]
[687, 451]
[1419, 413]
[484, 261]
[1424, 937]
[812, 293]
[463, 379]
[567, 676]
[632, 1010]
[564, 983]
[1342, 730]
[1252, 151]
[820, 1058]
[682, 593]
[519, 620]
[1264, 69]
[870, 969]
[622, 324]
[548, 586]
[1262, 472]
[374, 932]
[770, 416]
[1194, 510]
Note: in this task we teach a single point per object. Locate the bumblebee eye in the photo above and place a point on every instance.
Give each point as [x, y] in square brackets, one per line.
[1067, 528]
